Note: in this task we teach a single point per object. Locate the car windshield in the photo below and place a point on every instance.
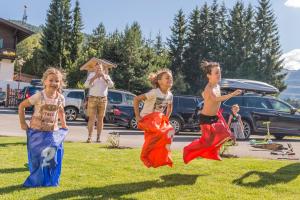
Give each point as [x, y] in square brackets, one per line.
[2, 95]
[129, 99]
[114, 97]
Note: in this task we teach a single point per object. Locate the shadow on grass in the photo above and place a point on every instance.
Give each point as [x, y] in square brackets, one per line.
[10, 189]
[116, 191]
[282, 175]
[12, 170]
[12, 144]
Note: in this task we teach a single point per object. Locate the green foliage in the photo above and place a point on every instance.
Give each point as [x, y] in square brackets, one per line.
[243, 39]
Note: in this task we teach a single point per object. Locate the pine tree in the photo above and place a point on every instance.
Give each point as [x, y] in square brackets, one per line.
[269, 66]
[56, 37]
[206, 33]
[236, 42]
[159, 45]
[249, 67]
[97, 40]
[76, 36]
[66, 33]
[51, 46]
[177, 44]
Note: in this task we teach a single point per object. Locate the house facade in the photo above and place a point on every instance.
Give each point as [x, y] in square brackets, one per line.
[10, 35]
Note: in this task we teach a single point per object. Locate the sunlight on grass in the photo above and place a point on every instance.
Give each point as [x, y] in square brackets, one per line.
[94, 172]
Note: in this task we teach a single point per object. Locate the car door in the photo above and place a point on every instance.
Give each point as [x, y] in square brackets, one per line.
[186, 108]
[114, 99]
[74, 98]
[261, 111]
[285, 122]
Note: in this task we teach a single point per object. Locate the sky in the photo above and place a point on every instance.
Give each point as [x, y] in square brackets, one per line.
[156, 16]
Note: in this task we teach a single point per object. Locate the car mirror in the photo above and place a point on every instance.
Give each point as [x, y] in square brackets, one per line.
[294, 110]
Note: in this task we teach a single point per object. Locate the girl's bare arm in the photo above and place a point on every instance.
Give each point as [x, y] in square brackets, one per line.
[136, 102]
[24, 104]
[169, 110]
[214, 97]
[62, 117]
[229, 120]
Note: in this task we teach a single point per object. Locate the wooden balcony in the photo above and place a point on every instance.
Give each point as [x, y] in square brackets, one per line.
[6, 53]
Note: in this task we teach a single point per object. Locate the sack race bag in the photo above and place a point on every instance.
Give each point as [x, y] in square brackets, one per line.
[158, 134]
[210, 142]
[45, 154]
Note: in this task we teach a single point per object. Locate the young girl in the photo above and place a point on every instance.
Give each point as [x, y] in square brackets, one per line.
[235, 123]
[154, 120]
[44, 138]
[213, 126]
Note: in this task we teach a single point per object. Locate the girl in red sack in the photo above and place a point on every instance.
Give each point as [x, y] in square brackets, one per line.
[154, 120]
[215, 130]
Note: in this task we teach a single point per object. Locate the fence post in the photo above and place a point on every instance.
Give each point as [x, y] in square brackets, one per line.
[7, 95]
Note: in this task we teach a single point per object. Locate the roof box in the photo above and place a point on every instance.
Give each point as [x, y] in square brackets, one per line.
[248, 86]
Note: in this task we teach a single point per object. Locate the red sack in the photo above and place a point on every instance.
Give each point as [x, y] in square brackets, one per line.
[210, 142]
[158, 134]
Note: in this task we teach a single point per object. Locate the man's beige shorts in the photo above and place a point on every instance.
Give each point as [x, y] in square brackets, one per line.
[96, 106]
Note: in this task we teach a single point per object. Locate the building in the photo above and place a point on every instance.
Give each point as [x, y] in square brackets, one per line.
[10, 35]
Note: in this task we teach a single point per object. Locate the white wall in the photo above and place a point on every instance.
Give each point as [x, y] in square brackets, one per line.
[6, 70]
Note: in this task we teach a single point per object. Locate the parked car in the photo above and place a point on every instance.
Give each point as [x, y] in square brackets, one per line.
[115, 98]
[27, 92]
[36, 82]
[73, 101]
[181, 118]
[2, 98]
[256, 109]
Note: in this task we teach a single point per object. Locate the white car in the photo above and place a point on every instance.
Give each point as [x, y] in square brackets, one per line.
[73, 101]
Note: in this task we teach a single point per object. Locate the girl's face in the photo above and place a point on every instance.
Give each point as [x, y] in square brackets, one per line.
[215, 75]
[166, 81]
[52, 82]
[235, 109]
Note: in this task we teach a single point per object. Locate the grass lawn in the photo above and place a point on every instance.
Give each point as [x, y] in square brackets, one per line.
[94, 172]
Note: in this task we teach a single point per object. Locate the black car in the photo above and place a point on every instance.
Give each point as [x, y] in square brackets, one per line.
[181, 118]
[116, 98]
[256, 109]
[27, 92]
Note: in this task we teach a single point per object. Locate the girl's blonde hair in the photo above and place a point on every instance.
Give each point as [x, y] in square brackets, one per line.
[61, 75]
[154, 77]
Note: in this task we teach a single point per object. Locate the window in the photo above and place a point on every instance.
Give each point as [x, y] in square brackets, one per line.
[1, 43]
[234, 100]
[129, 99]
[279, 106]
[114, 97]
[187, 103]
[255, 102]
[76, 95]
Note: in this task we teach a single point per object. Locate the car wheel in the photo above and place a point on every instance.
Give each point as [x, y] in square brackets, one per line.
[71, 113]
[176, 123]
[133, 123]
[247, 129]
[278, 136]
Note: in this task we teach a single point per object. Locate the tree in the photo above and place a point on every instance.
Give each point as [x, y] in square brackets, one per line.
[236, 42]
[76, 36]
[51, 41]
[269, 66]
[177, 44]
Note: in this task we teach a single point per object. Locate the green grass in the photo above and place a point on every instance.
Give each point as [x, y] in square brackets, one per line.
[93, 172]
